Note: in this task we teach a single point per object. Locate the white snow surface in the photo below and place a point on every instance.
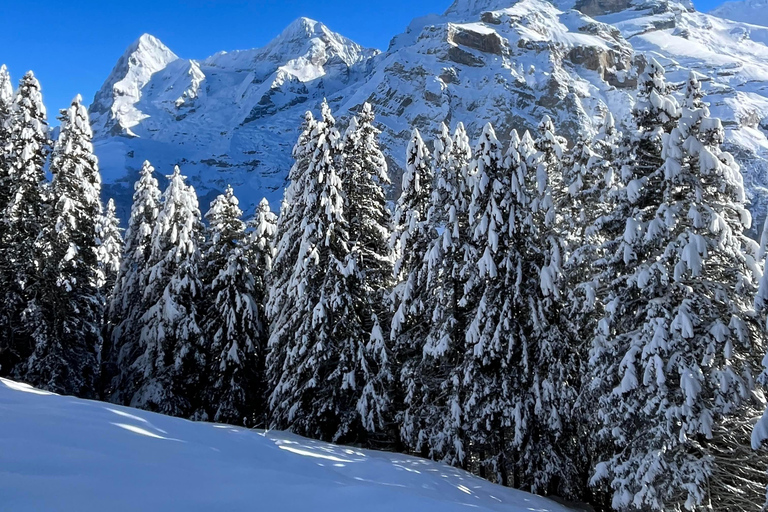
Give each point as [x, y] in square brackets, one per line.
[754, 12]
[62, 454]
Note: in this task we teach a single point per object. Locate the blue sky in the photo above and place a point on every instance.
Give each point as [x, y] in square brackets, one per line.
[72, 45]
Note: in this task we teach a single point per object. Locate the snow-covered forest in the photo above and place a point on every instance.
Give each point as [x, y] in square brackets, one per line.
[584, 319]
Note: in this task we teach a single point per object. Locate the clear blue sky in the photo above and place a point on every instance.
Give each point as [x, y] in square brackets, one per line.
[71, 45]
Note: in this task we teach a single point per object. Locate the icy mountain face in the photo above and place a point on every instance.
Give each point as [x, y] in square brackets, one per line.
[747, 11]
[234, 117]
[228, 119]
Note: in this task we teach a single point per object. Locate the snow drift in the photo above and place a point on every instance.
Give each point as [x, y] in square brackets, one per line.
[59, 453]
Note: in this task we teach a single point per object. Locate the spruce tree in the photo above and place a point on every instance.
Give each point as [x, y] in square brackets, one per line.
[686, 353]
[119, 376]
[544, 453]
[370, 268]
[109, 250]
[432, 419]
[68, 309]
[282, 294]
[320, 360]
[490, 298]
[410, 241]
[311, 390]
[6, 105]
[22, 223]
[172, 360]
[233, 320]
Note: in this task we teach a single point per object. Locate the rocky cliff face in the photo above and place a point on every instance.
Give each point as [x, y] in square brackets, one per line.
[233, 118]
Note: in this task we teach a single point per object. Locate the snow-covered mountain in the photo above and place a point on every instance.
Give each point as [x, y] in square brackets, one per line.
[233, 118]
[61, 454]
[748, 11]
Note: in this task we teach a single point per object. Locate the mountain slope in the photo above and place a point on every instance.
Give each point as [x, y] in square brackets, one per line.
[63, 454]
[754, 12]
[505, 61]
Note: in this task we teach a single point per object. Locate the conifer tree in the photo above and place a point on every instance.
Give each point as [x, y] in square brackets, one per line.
[172, 360]
[233, 320]
[311, 393]
[67, 306]
[544, 456]
[119, 376]
[432, 420]
[686, 352]
[22, 222]
[490, 298]
[109, 250]
[369, 266]
[261, 243]
[6, 105]
[282, 293]
[410, 241]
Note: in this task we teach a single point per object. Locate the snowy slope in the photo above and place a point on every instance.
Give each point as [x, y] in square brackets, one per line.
[63, 454]
[233, 118]
[748, 11]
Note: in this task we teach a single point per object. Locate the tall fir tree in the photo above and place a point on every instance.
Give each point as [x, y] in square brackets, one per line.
[634, 202]
[432, 419]
[311, 391]
[6, 105]
[369, 266]
[172, 359]
[109, 250]
[320, 359]
[545, 452]
[410, 242]
[233, 320]
[67, 308]
[282, 294]
[686, 353]
[490, 298]
[22, 223]
[120, 378]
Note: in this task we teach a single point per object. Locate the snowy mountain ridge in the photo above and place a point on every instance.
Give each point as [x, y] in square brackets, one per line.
[234, 117]
[754, 12]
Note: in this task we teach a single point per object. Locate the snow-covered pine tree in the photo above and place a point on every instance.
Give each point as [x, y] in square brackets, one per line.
[67, 307]
[6, 104]
[432, 419]
[261, 243]
[589, 169]
[490, 302]
[410, 241]
[311, 390]
[369, 269]
[109, 250]
[171, 364]
[545, 455]
[637, 196]
[120, 378]
[282, 295]
[318, 349]
[687, 350]
[22, 222]
[232, 320]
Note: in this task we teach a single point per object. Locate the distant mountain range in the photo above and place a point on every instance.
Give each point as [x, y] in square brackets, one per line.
[234, 117]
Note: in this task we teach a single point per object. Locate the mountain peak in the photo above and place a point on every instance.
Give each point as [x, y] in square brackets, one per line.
[150, 45]
[476, 7]
[754, 12]
[112, 105]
